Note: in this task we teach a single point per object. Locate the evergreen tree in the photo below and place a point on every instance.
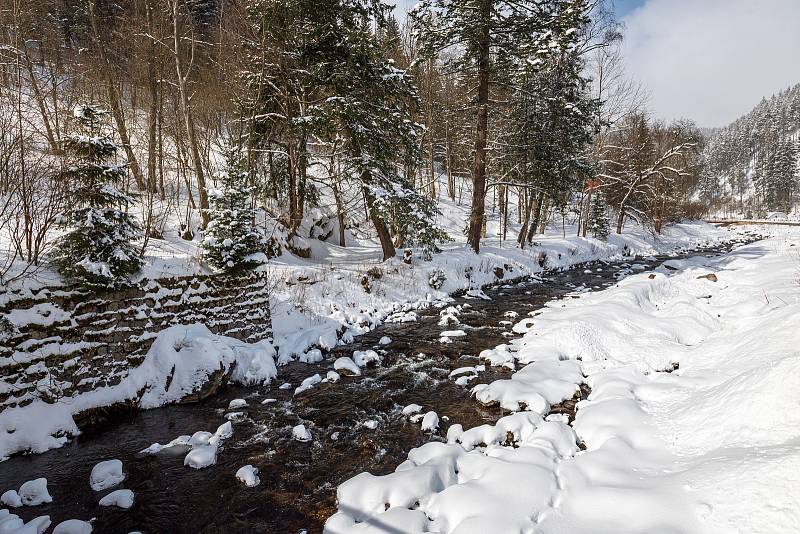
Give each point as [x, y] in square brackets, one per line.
[231, 239]
[493, 36]
[99, 247]
[598, 218]
[371, 115]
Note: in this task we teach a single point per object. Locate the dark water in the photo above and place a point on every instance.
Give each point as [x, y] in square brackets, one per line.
[298, 480]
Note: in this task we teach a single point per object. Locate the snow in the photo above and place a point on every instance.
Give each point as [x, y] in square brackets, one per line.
[73, 526]
[236, 404]
[362, 358]
[709, 447]
[180, 361]
[385, 340]
[346, 363]
[430, 422]
[34, 492]
[411, 409]
[312, 356]
[453, 333]
[12, 524]
[106, 474]
[308, 383]
[11, 498]
[122, 498]
[301, 433]
[332, 376]
[205, 448]
[501, 355]
[248, 475]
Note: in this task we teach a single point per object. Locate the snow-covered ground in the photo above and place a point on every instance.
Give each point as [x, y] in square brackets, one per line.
[711, 447]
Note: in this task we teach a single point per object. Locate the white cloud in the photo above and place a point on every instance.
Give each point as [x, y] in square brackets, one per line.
[713, 60]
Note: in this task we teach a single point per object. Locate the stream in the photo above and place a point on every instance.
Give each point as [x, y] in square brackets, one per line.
[298, 484]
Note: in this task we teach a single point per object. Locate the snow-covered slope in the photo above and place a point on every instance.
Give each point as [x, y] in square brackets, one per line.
[713, 446]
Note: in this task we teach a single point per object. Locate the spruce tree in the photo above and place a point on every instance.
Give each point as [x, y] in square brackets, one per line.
[598, 218]
[99, 247]
[231, 239]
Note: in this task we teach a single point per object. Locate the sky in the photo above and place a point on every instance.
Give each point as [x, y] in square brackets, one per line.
[710, 61]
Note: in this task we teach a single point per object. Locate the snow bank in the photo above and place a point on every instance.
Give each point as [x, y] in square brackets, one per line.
[710, 446]
[181, 361]
[106, 474]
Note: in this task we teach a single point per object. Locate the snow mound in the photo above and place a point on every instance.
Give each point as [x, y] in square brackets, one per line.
[11, 498]
[34, 492]
[237, 404]
[537, 386]
[106, 474]
[430, 422]
[12, 524]
[346, 363]
[122, 498]
[301, 433]
[411, 409]
[362, 358]
[248, 475]
[308, 383]
[205, 448]
[73, 526]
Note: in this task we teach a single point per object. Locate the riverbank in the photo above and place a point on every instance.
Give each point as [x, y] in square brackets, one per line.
[682, 430]
[355, 423]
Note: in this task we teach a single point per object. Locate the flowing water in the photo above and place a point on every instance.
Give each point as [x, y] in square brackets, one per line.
[298, 480]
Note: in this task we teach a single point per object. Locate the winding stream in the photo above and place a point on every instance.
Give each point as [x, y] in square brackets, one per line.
[298, 480]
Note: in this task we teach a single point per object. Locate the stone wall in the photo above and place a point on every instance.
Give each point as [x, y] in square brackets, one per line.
[58, 341]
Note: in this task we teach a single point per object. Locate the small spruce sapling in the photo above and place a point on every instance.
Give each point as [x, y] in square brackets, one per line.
[99, 247]
[598, 218]
[231, 240]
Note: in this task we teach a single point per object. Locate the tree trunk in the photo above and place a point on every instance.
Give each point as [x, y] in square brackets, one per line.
[543, 209]
[152, 119]
[476, 215]
[380, 225]
[537, 217]
[115, 101]
[194, 149]
[585, 213]
[523, 232]
[55, 146]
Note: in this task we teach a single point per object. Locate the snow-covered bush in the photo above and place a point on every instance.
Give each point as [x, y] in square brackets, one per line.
[437, 279]
[99, 247]
[321, 228]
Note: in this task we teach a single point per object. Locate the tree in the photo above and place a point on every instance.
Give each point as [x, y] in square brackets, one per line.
[598, 218]
[370, 113]
[99, 249]
[231, 239]
[492, 34]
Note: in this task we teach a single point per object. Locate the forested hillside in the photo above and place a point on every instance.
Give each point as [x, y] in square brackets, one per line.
[753, 165]
[242, 129]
